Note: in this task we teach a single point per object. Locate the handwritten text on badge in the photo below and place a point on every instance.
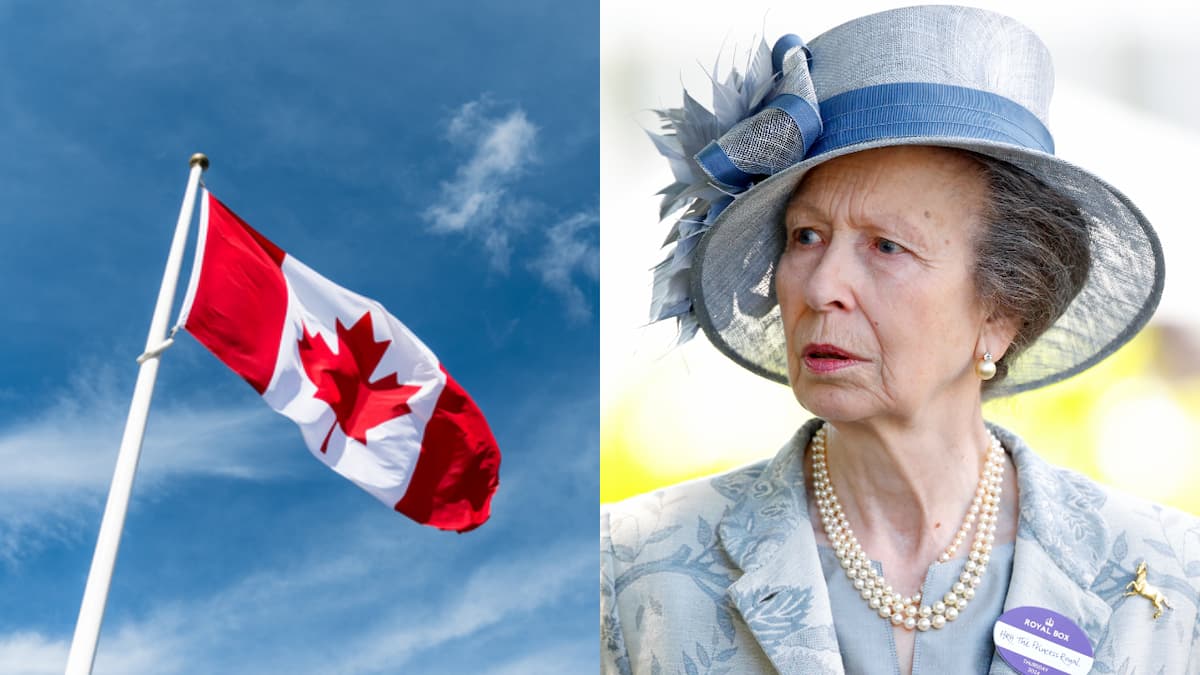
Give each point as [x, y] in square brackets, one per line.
[1039, 641]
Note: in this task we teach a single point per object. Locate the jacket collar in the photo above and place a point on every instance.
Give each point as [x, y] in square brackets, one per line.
[1062, 542]
[781, 595]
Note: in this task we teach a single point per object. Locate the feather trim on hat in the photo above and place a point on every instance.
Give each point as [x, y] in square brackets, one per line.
[692, 136]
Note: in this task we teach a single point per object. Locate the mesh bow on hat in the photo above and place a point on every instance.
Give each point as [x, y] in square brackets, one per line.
[947, 76]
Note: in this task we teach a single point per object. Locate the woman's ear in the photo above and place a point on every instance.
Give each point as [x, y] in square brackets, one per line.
[996, 336]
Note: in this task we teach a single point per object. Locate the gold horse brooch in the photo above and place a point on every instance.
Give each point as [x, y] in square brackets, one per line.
[1139, 586]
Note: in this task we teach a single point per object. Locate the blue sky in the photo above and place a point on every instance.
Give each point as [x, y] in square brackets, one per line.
[443, 161]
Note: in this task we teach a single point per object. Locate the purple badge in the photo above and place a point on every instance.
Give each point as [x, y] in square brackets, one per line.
[1038, 641]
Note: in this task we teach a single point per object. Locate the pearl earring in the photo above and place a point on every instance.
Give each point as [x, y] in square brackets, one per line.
[984, 368]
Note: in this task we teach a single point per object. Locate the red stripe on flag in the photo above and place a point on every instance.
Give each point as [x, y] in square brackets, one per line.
[458, 470]
[241, 298]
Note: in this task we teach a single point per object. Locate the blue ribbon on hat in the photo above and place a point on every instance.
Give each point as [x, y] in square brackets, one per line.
[784, 45]
[894, 110]
[789, 98]
[923, 109]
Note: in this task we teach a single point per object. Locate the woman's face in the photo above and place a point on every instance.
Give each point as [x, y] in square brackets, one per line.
[875, 284]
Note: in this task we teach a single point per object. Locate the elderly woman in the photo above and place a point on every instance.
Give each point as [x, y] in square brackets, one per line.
[885, 228]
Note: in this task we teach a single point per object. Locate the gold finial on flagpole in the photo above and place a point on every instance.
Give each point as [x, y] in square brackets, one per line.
[201, 159]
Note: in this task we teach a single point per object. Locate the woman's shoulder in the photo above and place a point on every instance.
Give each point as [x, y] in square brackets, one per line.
[1071, 489]
[1127, 512]
[1141, 530]
[1082, 518]
[1135, 527]
[659, 558]
[699, 504]
[658, 517]
[667, 561]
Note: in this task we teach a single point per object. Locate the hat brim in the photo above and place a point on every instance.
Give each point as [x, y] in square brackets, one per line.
[733, 284]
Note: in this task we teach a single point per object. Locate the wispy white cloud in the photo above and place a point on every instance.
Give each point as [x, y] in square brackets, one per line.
[58, 464]
[552, 659]
[494, 594]
[479, 202]
[31, 654]
[572, 247]
[211, 634]
[484, 201]
[127, 652]
[350, 596]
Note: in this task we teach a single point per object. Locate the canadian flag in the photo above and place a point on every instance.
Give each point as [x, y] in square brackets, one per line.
[371, 400]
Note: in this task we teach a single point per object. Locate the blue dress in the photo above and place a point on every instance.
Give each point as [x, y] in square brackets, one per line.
[867, 642]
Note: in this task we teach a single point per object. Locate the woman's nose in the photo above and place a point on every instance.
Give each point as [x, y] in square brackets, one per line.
[829, 286]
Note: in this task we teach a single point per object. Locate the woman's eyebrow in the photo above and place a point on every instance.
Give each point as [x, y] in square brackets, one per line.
[899, 224]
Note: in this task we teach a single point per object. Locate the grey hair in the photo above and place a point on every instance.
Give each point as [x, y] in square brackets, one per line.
[1032, 254]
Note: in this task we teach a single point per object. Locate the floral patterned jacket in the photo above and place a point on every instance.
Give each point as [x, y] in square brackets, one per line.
[722, 575]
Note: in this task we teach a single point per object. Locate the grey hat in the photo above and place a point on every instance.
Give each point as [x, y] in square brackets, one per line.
[947, 76]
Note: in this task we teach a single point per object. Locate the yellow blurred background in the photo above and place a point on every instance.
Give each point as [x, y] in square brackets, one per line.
[1123, 109]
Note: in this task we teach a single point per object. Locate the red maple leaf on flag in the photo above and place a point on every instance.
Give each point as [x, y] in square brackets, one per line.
[342, 379]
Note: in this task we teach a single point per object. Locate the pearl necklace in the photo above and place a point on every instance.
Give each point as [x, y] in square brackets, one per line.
[908, 612]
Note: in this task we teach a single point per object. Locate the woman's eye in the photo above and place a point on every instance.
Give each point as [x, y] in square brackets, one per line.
[889, 247]
[805, 236]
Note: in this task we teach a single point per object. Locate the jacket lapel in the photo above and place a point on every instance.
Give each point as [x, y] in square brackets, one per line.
[1061, 543]
[781, 595]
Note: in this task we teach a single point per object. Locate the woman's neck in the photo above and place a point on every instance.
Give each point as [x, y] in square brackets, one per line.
[906, 486]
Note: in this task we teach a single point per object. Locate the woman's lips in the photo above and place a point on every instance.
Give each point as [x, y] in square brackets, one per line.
[827, 358]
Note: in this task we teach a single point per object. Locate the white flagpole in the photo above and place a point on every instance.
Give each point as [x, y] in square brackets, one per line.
[95, 594]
